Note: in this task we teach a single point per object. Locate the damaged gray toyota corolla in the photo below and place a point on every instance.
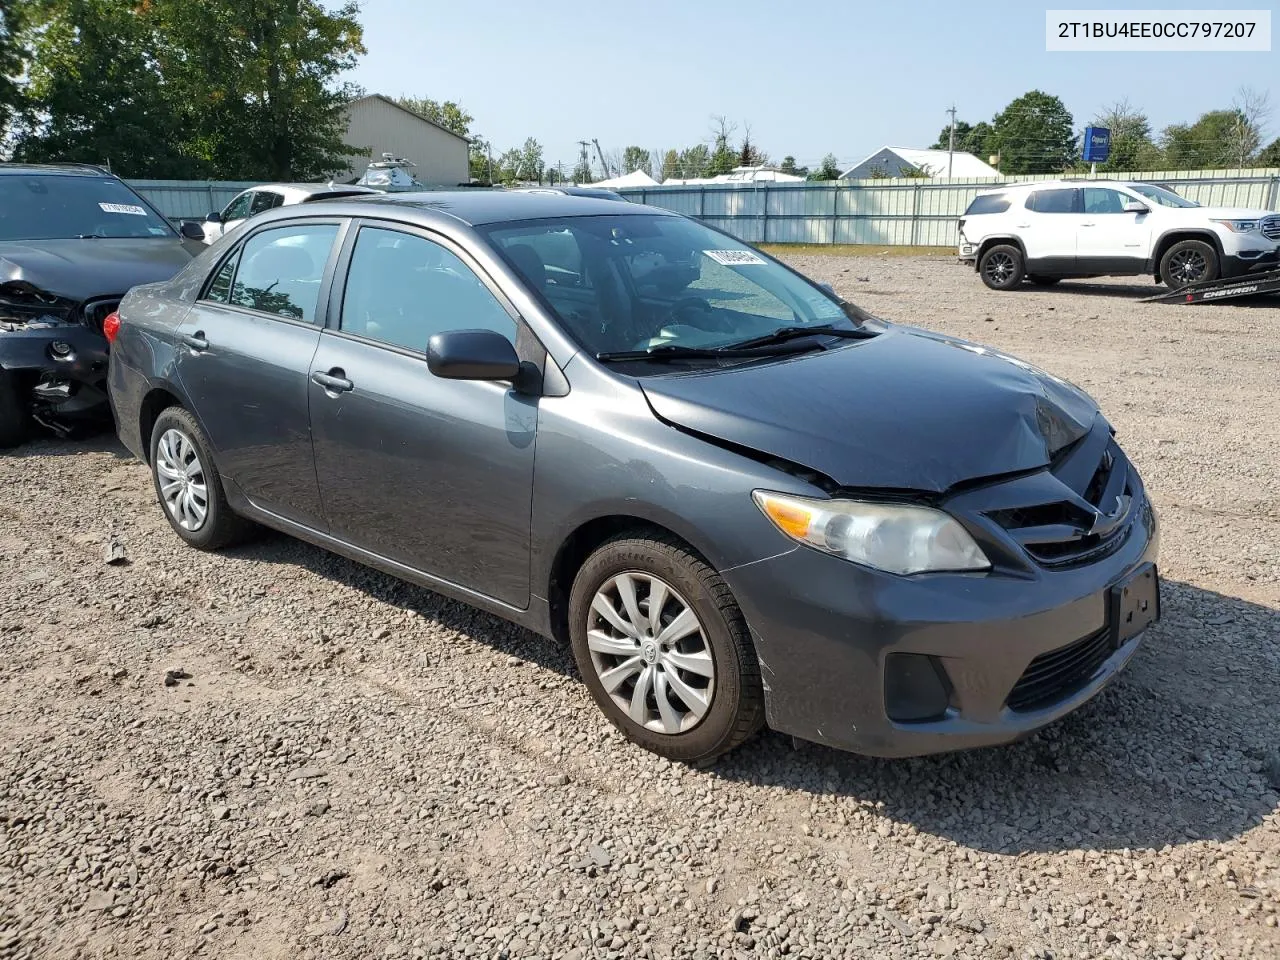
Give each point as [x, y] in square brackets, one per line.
[740, 499]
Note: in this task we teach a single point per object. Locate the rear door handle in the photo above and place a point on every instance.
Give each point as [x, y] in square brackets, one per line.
[196, 341]
[333, 381]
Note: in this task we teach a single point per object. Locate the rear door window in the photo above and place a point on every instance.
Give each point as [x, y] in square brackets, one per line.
[1053, 201]
[991, 203]
[264, 200]
[280, 270]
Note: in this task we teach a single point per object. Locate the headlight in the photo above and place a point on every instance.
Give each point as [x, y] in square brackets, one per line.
[1238, 226]
[897, 538]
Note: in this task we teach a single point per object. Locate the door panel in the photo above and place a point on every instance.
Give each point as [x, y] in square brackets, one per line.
[436, 474]
[1048, 226]
[1110, 240]
[249, 389]
[244, 359]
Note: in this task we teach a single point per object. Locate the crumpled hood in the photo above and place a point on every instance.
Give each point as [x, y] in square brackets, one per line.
[907, 410]
[77, 270]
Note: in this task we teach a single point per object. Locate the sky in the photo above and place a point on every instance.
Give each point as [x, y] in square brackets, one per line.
[809, 80]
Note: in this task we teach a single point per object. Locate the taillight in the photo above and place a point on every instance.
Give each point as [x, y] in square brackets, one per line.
[111, 326]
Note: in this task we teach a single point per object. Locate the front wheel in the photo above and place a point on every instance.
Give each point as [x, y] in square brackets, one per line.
[664, 649]
[15, 419]
[1188, 261]
[1002, 267]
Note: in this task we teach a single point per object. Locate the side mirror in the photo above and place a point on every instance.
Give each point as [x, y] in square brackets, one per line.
[472, 355]
[214, 217]
[830, 289]
[1136, 206]
[191, 230]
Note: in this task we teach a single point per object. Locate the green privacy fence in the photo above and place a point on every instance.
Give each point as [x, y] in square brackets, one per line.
[904, 212]
[881, 212]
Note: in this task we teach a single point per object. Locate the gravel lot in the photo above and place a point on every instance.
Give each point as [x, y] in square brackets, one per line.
[277, 753]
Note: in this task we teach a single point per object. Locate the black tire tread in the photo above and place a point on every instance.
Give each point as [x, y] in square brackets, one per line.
[15, 420]
[228, 528]
[1019, 272]
[751, 714]
[1212, 260]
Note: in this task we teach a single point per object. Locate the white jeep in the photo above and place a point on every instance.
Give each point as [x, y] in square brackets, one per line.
[1051, 230]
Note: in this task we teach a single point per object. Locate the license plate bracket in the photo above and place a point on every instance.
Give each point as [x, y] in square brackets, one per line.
[1134, 604]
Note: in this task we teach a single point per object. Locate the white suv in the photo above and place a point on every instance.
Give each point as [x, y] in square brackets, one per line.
[1053, 229]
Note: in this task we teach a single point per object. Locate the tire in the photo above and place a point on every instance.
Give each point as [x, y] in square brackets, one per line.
[716, 656]
[176, 439]
[1044, 281]
[1002, 267]
[1188, 261]
[15, 418]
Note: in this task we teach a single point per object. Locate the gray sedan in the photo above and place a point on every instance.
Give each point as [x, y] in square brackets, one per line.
[741, 499]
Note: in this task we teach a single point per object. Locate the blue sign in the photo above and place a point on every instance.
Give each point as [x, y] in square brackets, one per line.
[1097, 144]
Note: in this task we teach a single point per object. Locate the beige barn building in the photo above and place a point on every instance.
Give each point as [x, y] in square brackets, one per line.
[378, 125]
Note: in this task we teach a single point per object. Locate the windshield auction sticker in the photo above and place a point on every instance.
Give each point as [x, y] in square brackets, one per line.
[734, 258]
[132, 208]
[1137, 31]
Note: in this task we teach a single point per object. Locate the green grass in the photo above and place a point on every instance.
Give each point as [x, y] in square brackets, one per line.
[854, 250]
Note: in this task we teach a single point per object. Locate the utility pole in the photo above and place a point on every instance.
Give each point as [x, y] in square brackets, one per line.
[488, 147]
[583, 162]
[951, 141]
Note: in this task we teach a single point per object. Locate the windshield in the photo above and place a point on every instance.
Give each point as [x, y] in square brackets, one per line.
[58, 208]
[1166, 198]
[622, 283]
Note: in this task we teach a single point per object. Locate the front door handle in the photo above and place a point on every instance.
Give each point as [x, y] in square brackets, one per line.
[196, 341]
[333, 381]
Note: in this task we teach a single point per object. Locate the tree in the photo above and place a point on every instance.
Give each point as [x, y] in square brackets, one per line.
[671, 165]
[723, 157]
[479, 160]
[788, 166]
[829, 169]
[695, 161]
[448, 114]
[13, 60]
[1254, 109]
[749, 155]
[970, 138]
[1132, 146]
[1035, 134]
[1270, 156]
[582, 172]
[635, 158]
[237, 89]
[96, 96]
[531, 160]
[1219, 138]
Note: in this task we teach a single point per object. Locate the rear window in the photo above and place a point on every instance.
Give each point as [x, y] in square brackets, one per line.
[1052, 201]
[989, 203]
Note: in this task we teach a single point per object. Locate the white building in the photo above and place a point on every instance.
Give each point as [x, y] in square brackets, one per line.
[378, 125]
[895, 161]
[746, 175]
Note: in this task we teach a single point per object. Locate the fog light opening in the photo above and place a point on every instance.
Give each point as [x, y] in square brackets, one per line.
[916, 688]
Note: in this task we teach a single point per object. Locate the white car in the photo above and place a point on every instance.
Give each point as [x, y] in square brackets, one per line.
[268, 196]
[1050, 230]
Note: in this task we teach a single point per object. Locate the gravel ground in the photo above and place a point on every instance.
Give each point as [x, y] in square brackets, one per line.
[276, 753]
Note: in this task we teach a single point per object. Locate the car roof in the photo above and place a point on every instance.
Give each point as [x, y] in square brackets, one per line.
[306, 189]
[475, 207]
[55, 170]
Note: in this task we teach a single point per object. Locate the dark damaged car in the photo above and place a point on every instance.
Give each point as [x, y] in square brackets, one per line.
[739, 498]
[73, 240]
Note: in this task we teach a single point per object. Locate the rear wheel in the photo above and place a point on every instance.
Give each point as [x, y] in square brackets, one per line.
[188, 486]
[1002, 267]
[1188, 261]
[664, 649]
[15, 418]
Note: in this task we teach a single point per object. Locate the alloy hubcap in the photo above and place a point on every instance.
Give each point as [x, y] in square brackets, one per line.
[1000, 267]
[1188, 266]
[182, 480]
[651, 653]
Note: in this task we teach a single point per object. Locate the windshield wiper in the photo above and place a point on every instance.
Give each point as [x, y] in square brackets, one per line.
[91, 236]
[674, 351]
[783, 334]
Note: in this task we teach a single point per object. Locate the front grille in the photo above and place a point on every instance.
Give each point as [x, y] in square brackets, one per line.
[1089, 520]
[1270, 227]
[1060, 673]
[95, 311]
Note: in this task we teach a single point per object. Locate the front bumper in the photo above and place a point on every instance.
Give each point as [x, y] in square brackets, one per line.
[825, 631]
[1245, 261]
[71, 383]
